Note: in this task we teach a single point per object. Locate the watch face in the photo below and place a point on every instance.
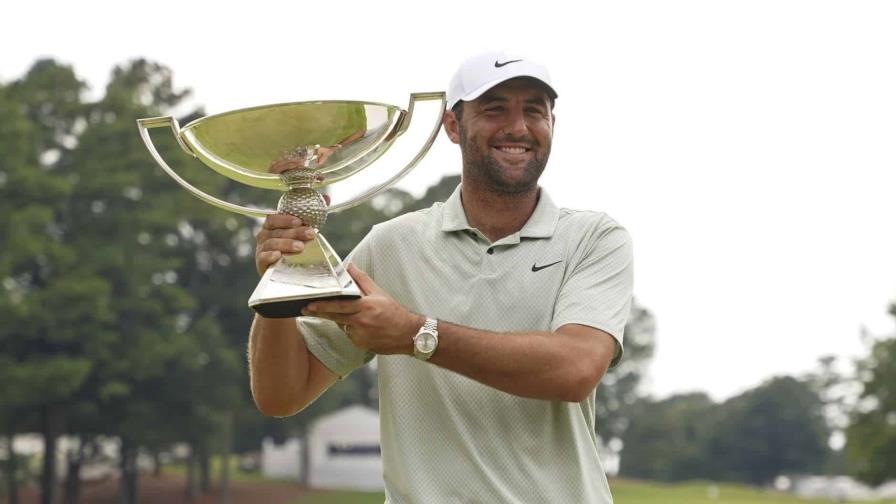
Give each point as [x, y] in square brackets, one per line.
[425, 342]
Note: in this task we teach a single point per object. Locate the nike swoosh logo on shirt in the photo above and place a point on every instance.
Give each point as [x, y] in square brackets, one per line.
[499, 65]
[539, 268]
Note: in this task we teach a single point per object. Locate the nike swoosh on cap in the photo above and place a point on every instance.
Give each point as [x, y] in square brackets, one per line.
[499, 65]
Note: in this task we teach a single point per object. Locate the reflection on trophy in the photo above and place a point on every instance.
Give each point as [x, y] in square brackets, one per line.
[297, 148]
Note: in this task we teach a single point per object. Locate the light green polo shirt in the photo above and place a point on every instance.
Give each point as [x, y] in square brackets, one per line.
[446, 438]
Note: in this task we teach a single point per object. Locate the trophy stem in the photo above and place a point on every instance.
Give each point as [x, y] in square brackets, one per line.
[296, 280]
[317, 273]
[301, 199]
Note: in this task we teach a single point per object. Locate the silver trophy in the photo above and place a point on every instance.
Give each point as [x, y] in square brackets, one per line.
[297, 148]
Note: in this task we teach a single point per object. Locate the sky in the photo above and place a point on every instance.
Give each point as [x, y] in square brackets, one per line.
[749, 147]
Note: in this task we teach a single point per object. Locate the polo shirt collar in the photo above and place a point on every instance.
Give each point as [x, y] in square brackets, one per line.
[541, 223]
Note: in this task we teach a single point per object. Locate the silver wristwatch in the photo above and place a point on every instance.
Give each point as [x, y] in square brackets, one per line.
[426, 340]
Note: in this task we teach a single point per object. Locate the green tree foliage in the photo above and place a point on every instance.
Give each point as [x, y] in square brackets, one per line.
[776, 428]
[618, 389]
[54, 309]
[665, 439]
[114, 320]
[871, 435]
[773, 429]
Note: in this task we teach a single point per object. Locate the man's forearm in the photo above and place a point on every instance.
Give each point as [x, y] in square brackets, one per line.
[278, 365]
[565, 365]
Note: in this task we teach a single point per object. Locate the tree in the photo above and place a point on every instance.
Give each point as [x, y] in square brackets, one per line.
[113, 305]
[871, 435]
[665, 439]
[52, 307]
[618, 389]
[773, 429]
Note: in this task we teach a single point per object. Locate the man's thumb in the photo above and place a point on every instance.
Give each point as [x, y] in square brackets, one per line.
[365, 283]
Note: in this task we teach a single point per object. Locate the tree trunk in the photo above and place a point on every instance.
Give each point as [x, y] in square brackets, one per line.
[224, 484]
[129, 473]
[205, 481]
[12, 484]
[368, 387]
[192, 476]
[73, 474]
[156, 463]
[51, 423]
[305, 457]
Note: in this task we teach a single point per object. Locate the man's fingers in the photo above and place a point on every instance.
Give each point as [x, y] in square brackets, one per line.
[264, 260]
[365, 283]
[281, 221]
[304, 233]
[322, 308]
[339, 318]
[284, 245]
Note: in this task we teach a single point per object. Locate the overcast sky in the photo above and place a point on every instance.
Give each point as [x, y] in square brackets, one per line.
[749, 147]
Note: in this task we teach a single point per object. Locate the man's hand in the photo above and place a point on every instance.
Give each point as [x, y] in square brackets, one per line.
[280, 235]
[375, 322]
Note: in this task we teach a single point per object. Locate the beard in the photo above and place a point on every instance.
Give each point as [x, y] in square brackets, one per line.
[481, 165]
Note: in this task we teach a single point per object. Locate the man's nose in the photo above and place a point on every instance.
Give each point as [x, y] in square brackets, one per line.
[516, 123]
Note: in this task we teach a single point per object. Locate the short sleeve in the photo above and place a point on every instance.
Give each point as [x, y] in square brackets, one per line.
[326, 340]
[597, 291]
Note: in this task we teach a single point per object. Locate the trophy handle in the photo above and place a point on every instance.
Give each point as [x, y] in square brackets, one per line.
[402, 127]
[160, 122]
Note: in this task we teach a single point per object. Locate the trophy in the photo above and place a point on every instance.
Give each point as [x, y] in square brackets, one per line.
[298, 149]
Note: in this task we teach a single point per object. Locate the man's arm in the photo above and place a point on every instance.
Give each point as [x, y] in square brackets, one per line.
[564, 365]
[284, 376]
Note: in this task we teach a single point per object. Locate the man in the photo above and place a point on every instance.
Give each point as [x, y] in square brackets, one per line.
[494, 315]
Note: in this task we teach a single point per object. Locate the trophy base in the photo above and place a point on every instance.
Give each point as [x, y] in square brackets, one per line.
[293, 308]
[288, 285]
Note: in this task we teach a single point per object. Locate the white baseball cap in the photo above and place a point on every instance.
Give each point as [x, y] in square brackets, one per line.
[485, 71]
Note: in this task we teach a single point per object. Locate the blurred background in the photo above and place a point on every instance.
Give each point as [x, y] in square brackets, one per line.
[747, 146]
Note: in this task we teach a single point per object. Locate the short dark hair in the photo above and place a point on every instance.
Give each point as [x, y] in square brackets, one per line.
[458, 110]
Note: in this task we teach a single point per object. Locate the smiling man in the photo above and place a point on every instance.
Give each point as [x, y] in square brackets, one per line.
[494, 315]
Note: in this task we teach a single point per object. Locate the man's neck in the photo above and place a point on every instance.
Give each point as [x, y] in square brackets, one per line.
[497, 215]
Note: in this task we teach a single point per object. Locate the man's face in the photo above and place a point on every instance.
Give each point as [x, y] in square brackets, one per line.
[505, 136]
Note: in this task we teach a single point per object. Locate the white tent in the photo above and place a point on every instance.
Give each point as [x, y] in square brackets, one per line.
[345, 450]
[280, 461]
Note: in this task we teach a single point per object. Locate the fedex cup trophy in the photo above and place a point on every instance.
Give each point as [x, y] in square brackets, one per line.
[297, 148]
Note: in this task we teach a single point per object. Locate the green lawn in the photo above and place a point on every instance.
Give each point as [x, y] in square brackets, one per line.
[236, 474]
[628, 492]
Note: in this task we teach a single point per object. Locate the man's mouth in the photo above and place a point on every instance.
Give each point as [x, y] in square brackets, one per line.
[512, 149]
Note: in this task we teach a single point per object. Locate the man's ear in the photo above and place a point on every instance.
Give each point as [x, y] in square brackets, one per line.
[451, 125]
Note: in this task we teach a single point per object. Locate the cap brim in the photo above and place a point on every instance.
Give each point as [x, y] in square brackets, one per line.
[476, 93]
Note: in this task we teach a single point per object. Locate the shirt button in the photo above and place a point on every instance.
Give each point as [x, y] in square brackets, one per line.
[490, 250]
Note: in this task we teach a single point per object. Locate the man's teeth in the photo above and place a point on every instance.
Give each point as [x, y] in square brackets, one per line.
[512, 150]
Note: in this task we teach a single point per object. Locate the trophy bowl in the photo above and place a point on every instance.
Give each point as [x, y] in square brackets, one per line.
[296, 149]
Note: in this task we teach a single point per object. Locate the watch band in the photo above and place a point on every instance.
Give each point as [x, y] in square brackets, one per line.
[429, 329]
[431, 325]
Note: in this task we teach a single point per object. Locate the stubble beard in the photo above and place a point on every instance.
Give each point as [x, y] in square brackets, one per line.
[487, 170]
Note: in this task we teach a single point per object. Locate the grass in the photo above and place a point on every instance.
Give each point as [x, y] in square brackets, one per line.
[629, 492]
[634, 492]
[236, 474]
